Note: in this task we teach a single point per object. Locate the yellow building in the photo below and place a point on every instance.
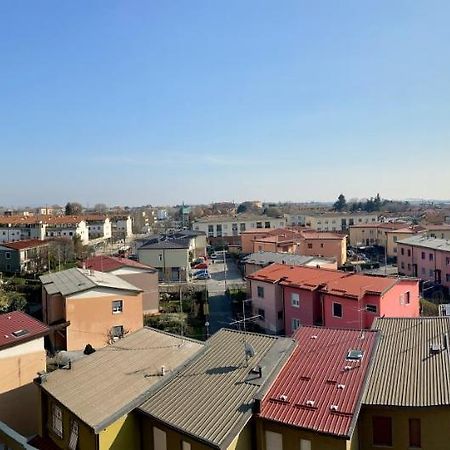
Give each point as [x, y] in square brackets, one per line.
[393, 236]
[209, 403]
[407, 402]
[88, 403]
[372, 233]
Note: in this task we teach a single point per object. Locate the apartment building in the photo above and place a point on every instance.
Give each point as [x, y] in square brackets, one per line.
[325, 244]
[99, 226]
[89, 307]
[372, 233]
[22, 356]
[21, 257]
[66, 227]
[407, 400]
[425, 257]
[393, 236]
[229, 228]
[438, 231]
[19, 228]
[338, 221]
[121, 226]
[315, 400]
[287, 297]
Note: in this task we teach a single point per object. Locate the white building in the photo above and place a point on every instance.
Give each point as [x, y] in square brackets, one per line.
[338, 221]
[161, 214]
[225, 226]
[122, 227]
[99, 227]
[67, 227]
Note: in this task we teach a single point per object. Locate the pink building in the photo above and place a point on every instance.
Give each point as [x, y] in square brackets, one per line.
[425, 257]
[286, 297]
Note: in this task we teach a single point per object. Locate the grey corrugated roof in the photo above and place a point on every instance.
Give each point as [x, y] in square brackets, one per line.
[103, 386]
[171, 244]
[266, 258]
[72, 281]
[427, 242]
[211, 398]
[404, 372]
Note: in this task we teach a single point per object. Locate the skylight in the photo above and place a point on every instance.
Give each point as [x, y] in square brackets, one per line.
[20, 333]
[355, 355]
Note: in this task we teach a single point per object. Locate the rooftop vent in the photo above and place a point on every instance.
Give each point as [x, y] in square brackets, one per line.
[355, 355]
[163, 370]
[347, 367]
[20, 333]
[435, 349]
[314, 336]
[283, 398]
[341, 386]
[334, 407]
[310, 403]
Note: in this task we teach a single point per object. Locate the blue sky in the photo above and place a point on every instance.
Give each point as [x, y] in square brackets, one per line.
[137, 102]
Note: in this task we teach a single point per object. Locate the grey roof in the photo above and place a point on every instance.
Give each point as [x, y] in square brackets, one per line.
[170, 244]
[109, 383]
[73, 281]
[266, 258]
[405, 372]
[214, 393]
[427, 242]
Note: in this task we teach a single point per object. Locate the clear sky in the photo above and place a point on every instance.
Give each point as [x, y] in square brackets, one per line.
[137, 102]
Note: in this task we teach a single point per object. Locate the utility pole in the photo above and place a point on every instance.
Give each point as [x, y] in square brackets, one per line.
[225, 268]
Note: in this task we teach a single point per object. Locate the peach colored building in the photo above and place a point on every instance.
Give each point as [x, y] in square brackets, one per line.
[89, 307]
[22, 356]
[140, 275]
[327, 245]
[372, 233]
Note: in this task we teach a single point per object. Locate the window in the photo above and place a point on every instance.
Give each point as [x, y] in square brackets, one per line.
[305, 444]
[337, 310]
[266, 224]
[117, 306]
[258, 224]
[309, 245]
[8, 255]
[185, 445]
[409, 252]
[274, 441]
[57, 421]
[73, 441]
[260, 292]
[371, 308]
[262, 313]
[117, 331]
[280, 315]
[402, 265]
[402, 251]
[295, 324]
[414, 433]
[431, 272]
[406, 298]
[382, 430]
[159, 439]
[409, 266]
[447, 261]
[395, 238]
[430, 257]
[321, 245]
[423, 255]
[295, 300]
[447, 277]
[242, 226]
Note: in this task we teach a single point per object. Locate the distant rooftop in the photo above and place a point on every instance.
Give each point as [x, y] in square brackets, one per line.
[73, 281]
[320, 387]
[236, 218]
[426, 242]
[109, 383]
[104, 263]
[266, 258]
[25, 244]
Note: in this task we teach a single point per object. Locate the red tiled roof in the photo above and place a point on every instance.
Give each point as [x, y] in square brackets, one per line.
[16, 321]
[316, 371]
[356, 285]
[109, 263]
[305, 277]
[323, 235]
[28, 243]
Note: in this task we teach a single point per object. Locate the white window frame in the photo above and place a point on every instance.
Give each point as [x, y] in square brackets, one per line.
[305, 444]
[332, 310]
[295, 324]
[185, 445]
[57, 421]
[295, 299]
[117, 309]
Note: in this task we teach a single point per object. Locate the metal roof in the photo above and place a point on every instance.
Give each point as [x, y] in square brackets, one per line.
[109, 383]
[266, 258]
[427, 242]
[73, 281]
[211, 399]
[319, 388]
[405, 371]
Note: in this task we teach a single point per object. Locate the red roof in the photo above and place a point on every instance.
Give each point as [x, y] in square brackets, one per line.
[318, 371]
[356, 285]
[323, 235]
[300, 276]
[110, 263]
[21, 245]
[25, 326]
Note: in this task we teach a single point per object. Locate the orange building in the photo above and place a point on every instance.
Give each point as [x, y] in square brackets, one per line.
[89, 307]
[328, 245]
[22, 356]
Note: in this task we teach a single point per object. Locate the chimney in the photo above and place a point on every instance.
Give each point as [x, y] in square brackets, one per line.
[163, 370]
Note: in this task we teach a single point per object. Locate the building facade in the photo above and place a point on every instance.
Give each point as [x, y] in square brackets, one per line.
[338, 221]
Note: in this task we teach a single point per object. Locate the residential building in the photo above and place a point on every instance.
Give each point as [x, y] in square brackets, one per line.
[140, 275]
[425, 257]
[327, 245]
[334, 221]
[161, 214]
[21, 257]
[18, 228]
[215, 394]
[258, 260]
[286, 297]
[374, 233]
[229, 228]
[393, 236]
[438, 231]
[295, 219]
[121, 226]
[407, 401]
[66, 227]
[315, 400]
[99, 226]
[22, 356]
[89, 307]
[89, 403]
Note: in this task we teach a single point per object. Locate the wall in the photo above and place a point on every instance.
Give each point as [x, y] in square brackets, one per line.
[248, 238]
[308, 312]
[160, 258]
[359, 235]
[329, 248]
[435, 434]
[91, 317]
[11, 264]
[271, 304]
[292, 436]
[393, 306]
[122, 434]
[19, 365]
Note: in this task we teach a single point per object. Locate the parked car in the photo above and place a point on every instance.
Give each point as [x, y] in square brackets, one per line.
[201, 275]
[202, 265]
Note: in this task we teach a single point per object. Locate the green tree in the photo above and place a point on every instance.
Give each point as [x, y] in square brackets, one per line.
[12, 301]
[340, 204]
[73, 209]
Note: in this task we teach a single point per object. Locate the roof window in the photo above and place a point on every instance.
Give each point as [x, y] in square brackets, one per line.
[20, 333]
[355, 355]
